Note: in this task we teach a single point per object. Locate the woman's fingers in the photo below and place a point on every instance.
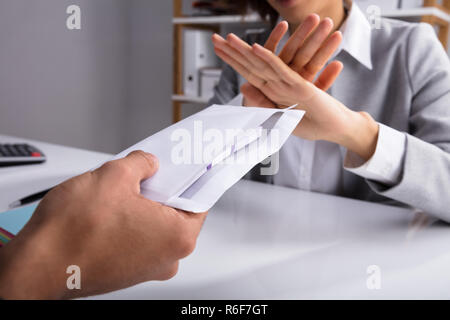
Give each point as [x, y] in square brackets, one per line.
[298, 37]
[312, 45]
[329, 75]
[242, 53]
[232, 62]
[253, 62]
[225, 47]
[241, 69]
[275, 63]
[276, 35]
[321, 57]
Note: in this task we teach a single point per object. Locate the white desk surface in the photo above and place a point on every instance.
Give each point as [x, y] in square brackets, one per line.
[267, 242]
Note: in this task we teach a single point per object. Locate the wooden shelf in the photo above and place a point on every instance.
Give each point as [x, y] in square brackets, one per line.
[217, 20]
[417, 13]
[189, 99]
[254, 18]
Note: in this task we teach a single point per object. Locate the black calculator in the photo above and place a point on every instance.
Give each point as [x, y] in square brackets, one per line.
[19, 154]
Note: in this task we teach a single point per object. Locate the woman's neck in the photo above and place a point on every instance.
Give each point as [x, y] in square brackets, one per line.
[334, 10]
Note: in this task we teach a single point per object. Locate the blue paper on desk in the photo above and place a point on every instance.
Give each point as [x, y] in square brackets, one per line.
[14, 220]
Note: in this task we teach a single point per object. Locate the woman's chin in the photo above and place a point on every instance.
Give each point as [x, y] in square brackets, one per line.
[286, 3]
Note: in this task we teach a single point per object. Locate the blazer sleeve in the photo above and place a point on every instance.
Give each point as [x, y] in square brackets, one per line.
[425, 178]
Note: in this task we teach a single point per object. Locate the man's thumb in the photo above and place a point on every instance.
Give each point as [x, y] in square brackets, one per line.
[143, 164]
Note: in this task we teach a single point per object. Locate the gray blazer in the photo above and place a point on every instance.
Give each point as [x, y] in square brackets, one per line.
[408, 89]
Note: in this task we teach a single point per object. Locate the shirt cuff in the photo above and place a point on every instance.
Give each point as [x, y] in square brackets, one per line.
[386, 164]
[237, 101]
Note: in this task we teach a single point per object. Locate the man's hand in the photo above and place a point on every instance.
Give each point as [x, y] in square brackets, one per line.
[306, 52]
[99, 222]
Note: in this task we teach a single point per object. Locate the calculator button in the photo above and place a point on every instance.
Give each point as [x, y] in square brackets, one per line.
[4, 152]
[13, 152]
[30, 149]
[36, 154]
[21, 149]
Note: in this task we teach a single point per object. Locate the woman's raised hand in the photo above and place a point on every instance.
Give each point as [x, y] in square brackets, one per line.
[306, 52]
[286, 80]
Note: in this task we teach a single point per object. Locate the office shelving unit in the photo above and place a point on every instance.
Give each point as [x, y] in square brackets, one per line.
[214, 23]
[432, 12]
[216, 19]
[440, 16]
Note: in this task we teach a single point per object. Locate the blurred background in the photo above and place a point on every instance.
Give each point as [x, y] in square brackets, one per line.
[121, 77]
[102, 87]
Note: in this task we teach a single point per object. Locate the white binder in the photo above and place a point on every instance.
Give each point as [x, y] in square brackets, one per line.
[198, 52]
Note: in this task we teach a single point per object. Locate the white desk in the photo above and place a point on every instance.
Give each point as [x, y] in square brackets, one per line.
[267, 242]
[62, 163]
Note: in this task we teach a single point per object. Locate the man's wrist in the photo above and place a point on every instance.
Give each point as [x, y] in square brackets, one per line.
[24, 273]
[8, 282]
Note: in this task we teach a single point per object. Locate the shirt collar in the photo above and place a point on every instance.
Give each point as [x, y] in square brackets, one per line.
[356, 32]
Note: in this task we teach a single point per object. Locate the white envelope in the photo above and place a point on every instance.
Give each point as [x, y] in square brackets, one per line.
[188, 177]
